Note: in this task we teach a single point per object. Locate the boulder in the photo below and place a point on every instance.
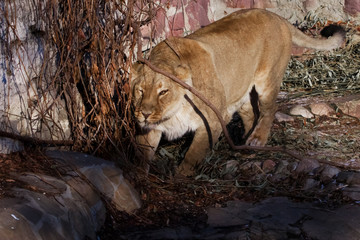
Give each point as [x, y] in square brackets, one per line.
[70, 206]
[102, 174]
[52, 209]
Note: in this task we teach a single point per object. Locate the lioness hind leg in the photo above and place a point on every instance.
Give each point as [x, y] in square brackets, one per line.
[267, 94]
[247, 116]
[262, 130]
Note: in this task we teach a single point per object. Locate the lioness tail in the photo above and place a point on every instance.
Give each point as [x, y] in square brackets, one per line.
[335, 38]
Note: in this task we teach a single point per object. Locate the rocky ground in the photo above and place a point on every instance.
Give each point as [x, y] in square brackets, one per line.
[261, 195]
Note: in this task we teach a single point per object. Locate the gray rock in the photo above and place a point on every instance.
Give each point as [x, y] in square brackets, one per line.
[103, 175]
[57, 214]
[344, 176]
[8, 145]
[66, 207]
[292, 166]
[352, 192]
[273, 218]
[43, 183]
[354, 179]
[342, 223]
[233, 215]
[351, 178]
[13, 225]
[269, 219]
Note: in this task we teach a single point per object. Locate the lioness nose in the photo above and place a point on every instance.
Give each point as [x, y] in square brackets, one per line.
[146, 114]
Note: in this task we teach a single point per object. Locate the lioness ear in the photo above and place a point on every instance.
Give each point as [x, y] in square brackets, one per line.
[183, 47]
[183, 72]
[172, 43]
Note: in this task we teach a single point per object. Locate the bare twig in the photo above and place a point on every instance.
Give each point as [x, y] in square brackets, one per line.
[32, 140]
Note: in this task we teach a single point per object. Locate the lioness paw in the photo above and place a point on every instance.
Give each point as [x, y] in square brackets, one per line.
[185, 169]
[256, 141]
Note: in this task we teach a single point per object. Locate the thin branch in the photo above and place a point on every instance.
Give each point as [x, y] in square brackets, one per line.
[32, 140]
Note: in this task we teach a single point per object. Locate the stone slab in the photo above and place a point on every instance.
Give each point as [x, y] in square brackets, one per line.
[103, 175]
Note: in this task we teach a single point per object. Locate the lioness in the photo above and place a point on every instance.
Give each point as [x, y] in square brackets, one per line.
[245, 51]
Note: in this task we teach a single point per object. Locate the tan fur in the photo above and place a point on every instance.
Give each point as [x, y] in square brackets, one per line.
[223, 61]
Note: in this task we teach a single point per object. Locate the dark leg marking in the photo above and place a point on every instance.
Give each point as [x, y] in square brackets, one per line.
[254, 100]
[206, 123]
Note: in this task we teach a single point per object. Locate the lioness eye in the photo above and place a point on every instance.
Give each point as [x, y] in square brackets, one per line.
[163, 92]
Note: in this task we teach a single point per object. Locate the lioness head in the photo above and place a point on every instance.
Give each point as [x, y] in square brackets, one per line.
[156, 98]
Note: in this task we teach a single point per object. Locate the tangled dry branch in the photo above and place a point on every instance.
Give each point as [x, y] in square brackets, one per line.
[87, 47]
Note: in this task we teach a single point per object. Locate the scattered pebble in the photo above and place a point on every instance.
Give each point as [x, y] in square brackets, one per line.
[16, 218]
[292, 166]
[329, 172]
[232, 164]
[310, 183]
[268, 166]
[282, 117]
[301, 111]
[321, 109]
[230, 168]
[282, 167]
[307, 165]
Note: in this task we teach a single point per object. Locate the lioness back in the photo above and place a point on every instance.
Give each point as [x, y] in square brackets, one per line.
[242, 45]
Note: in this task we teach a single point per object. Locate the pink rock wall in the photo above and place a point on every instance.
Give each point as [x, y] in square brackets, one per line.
[352, 7]
[249, 3]
[179, 18]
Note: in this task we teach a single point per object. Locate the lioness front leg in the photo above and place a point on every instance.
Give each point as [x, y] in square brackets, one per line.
[199, 147]
[196, 153]
[267, 87]
[147, 145]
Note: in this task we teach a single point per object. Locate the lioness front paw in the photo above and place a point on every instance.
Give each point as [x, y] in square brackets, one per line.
[185, 169]
[254, 140]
